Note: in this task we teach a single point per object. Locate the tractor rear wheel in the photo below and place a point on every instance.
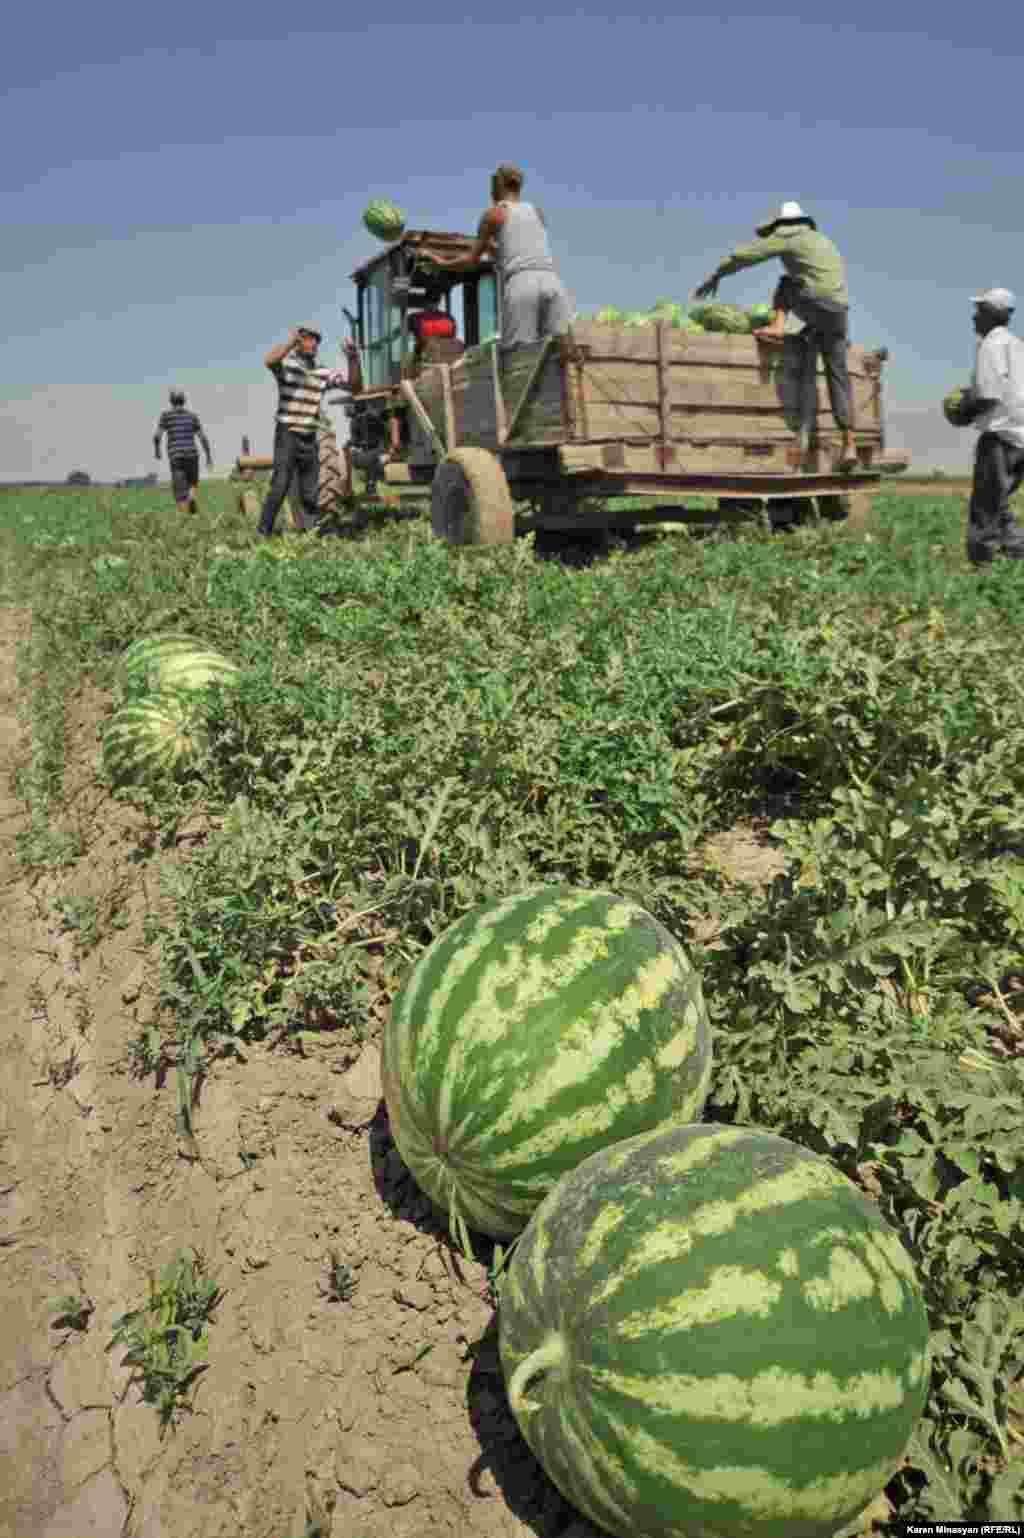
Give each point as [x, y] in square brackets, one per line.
[470, 501]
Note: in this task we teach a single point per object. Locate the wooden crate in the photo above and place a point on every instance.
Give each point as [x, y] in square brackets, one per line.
[724, 403]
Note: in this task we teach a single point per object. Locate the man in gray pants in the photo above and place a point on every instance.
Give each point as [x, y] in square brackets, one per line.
[534, 301]
[814, 289]
[996, 405]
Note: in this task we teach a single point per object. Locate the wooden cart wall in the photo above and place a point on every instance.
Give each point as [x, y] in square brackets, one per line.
[725, 403]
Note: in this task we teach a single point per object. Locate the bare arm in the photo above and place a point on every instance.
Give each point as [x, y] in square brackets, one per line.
[487, 235]
[204, 440]
[156, 439]
[277, 354]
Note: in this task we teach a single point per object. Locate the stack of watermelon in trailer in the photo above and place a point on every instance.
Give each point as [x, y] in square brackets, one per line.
[704, 1329]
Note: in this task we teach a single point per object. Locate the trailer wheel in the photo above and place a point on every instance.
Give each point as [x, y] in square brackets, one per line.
[470, 502]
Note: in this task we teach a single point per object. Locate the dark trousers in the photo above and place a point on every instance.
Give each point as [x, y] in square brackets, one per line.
[826, 331]
[992, 528]
[293, 451]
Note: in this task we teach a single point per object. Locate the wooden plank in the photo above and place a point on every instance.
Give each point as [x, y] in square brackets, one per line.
[534, 373]
[397, 474]
[695, 426]
[728, 352]
[449, 409]
[692, 460]
[626, 383]
[408, 390]
[664, 387]
[500, 414]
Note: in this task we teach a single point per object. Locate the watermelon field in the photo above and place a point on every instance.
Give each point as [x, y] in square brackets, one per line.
[230, 1311]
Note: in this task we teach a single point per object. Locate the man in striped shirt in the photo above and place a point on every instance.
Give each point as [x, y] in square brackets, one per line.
[182, 428]
[301, 385]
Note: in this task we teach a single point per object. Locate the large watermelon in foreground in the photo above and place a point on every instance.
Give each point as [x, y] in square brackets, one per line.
[709, 1330]
[151, 737]
[533, 1032]
[384, 219]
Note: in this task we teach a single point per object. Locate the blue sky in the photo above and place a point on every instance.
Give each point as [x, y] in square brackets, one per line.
[172, 208]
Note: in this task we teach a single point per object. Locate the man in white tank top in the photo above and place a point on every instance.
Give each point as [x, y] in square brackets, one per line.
[534, 301]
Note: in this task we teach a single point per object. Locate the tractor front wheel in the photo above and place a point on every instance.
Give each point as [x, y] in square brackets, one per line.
[470, 501]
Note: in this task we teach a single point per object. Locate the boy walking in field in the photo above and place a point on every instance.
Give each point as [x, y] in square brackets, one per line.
[182, 427]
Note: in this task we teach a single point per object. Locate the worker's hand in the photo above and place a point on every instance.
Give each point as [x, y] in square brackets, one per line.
[707, 290]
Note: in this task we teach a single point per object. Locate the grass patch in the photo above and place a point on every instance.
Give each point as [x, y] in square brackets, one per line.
[167, 1338]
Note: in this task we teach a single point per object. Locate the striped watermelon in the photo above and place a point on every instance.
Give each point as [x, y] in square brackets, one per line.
[727, 318]
[151, 737]
[534, 1031]
[142, 654]
[175, 662]
[708, 1330]
[384, 219]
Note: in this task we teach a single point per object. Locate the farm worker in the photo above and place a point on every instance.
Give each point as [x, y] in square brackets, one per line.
[813, 288]
[996, 403]
[182, 428]
[301, 384]
[534, 301]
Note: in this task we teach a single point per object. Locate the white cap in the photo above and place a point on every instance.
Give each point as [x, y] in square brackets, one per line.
[996, 299]
[786, 213]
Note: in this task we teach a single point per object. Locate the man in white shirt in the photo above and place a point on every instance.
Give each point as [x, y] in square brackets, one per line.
[996, 401]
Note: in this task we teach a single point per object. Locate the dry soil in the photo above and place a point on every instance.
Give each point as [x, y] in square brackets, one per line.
[383, 1416]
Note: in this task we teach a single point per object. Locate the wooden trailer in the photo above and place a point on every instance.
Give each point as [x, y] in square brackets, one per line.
[547, 435]
[609, 413]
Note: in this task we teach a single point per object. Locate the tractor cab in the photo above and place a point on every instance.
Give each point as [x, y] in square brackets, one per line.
[411, 312]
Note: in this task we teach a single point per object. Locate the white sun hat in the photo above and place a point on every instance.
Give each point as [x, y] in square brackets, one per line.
[996, 299]
[788, 213]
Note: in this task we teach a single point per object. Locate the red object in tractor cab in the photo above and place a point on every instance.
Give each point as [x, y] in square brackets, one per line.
[431, 323]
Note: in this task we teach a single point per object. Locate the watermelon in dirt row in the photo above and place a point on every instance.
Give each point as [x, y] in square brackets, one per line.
[175, 662]
[384, 219]
[140, 656]
[534, 1031]
[709, 1330]
[150, 738]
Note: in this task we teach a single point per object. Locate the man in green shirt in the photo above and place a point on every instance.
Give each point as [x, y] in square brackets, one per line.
[813, 288]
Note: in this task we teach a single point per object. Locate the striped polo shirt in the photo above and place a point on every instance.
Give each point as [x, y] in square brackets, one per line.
[182, 427]
[301, 386]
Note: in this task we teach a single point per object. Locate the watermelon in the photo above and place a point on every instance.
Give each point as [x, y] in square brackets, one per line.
[151, 737]
[532, 1032]
[709, 1330]
[667, 309]
[724, 317]
[608, 316]
[173, 662]
[637, 318]
[384, 219]
[956, 409]
[760, 314]
[194, 670]
[143, 653]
